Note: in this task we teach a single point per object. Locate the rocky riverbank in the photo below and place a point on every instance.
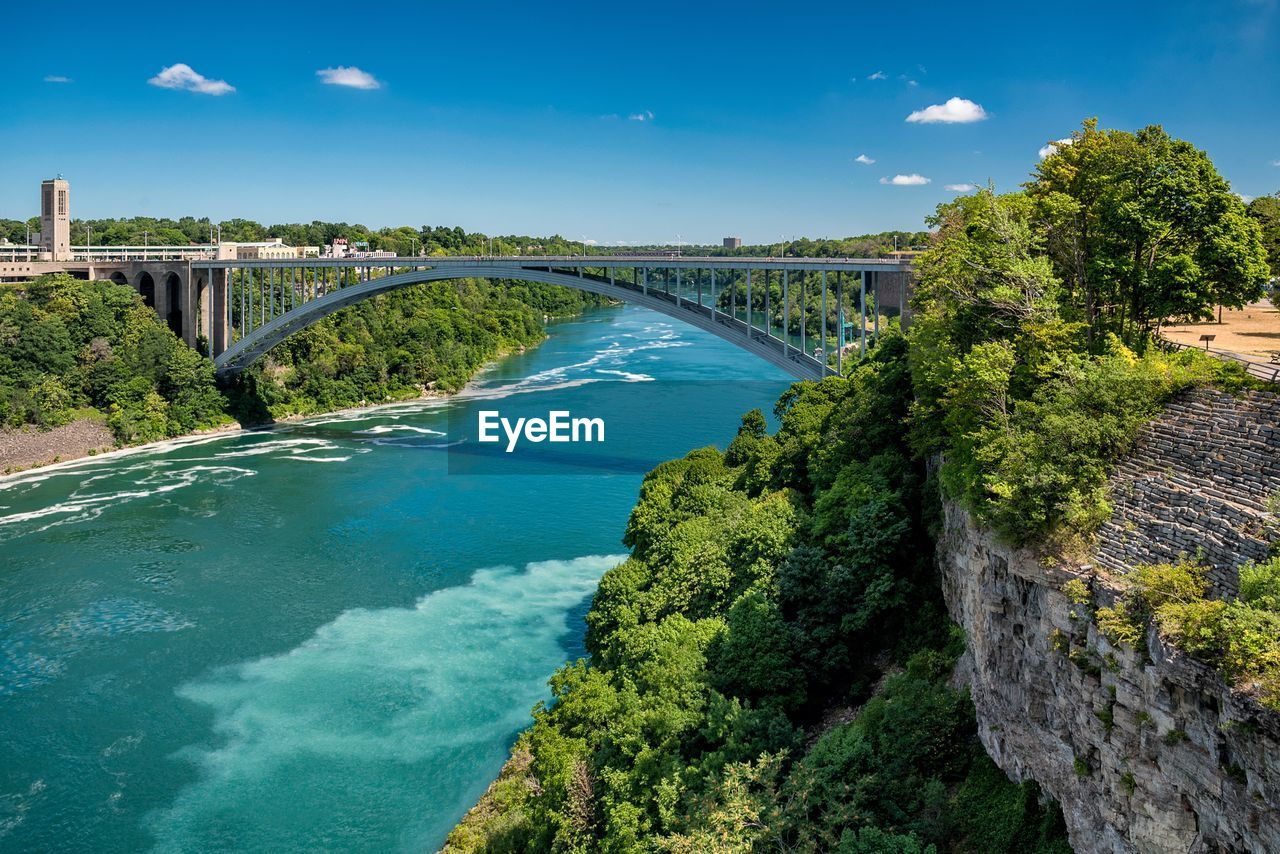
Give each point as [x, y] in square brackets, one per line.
[29, 447]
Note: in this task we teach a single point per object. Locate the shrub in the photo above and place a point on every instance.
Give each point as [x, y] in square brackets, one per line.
[1238, 637]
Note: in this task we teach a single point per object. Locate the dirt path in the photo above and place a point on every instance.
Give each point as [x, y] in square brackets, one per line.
[1252, 332]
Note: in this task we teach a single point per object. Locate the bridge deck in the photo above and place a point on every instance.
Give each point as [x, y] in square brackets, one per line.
[731, 262]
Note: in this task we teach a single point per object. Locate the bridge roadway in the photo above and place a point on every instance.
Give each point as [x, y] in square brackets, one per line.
[256, 304]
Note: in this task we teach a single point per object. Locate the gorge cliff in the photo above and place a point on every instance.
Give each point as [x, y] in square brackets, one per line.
[1146, 749]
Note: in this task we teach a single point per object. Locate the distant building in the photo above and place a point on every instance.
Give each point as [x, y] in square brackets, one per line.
[733, 243]
[263, 250]
[266, 250]
[340, 248]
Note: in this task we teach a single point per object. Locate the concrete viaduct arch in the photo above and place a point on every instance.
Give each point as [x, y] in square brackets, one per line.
[171, 288]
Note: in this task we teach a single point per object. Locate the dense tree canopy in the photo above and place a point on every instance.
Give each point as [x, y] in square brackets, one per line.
[1029, 412]
[71, 345]
[1142, 227]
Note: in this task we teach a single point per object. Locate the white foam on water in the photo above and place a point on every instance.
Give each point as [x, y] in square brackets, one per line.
[18, 804]
[611, 359]
[628, 376]
[361, 736]
[298, 445]
[379, 429]
[78, 466]
[78, 507]
[319, 459]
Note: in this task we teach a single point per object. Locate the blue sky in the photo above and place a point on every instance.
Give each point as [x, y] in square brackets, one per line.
[615, 122]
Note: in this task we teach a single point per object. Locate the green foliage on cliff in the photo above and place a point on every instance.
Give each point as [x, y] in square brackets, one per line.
[68, 348]
[1021, 375]
[768, 589]
[1239, 636]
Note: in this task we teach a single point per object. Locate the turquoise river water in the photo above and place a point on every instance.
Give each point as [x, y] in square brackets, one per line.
[323, 636]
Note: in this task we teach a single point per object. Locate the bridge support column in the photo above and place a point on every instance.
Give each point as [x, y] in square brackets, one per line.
[220, 310]
[824, 319]
[768, 307]
[840, 321]
[748, 303]
[786, 314]
[803, 318]
[162, 306]
[875, 298]
[862, 325]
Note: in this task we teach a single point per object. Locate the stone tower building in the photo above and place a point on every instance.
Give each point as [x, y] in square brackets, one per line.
[55, 220]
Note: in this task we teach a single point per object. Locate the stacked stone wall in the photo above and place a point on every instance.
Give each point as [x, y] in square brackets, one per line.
[1199, 485]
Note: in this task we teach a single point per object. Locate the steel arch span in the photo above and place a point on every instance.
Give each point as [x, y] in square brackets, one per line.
[758, 342]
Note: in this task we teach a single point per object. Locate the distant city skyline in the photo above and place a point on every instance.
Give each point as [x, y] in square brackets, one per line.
[670, 124]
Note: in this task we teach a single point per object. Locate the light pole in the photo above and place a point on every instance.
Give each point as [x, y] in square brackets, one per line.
[88, 238]
[144, 246]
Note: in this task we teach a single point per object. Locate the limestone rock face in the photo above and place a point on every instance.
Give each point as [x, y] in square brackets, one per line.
[1146, 750]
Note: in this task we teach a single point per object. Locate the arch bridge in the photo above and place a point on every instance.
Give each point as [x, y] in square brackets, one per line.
[801, 314]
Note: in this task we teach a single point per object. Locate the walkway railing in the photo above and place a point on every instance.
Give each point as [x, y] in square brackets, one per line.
[1266, 372]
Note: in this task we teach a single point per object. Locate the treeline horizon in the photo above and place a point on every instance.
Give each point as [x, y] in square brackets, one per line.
[430, 240]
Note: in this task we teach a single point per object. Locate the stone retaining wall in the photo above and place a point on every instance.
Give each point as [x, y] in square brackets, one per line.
[1199, 482]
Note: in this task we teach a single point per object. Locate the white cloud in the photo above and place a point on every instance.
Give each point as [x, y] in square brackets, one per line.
[348, 76]
[879, 75]
[1275, 162]
[912, 180]
[961, 188]
[864, 160]
[646, 116]
[57, 78]
[1053, 146]
[1245, 198]
[913, 82]
[954, 111]
[183, 76]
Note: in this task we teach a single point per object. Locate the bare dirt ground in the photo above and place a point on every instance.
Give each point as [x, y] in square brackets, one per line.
[20, 449]
[1252, 332]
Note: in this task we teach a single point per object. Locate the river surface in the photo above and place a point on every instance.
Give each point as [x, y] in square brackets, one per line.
[325, 635]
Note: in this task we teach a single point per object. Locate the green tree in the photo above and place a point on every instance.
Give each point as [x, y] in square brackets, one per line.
[1145, 228]
[1265, 211]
